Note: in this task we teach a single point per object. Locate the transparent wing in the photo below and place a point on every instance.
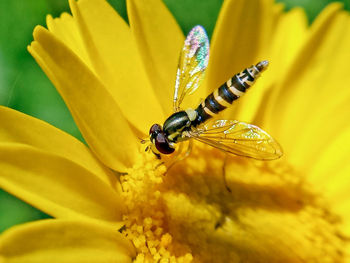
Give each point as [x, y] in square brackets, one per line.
[192, 64]
[239, 138]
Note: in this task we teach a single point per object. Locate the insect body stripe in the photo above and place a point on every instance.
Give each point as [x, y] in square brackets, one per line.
[221, 99]
[236, 91]
[203, 114]
[238, 83]
[207, 110]
[213, 105]
[248, 74]
[226, 94]
[231, 90]
[248, 79]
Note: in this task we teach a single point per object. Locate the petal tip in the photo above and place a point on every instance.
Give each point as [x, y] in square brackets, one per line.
[335, 6]
[49, 17]
[29, 47]
[72, 5]
[37, 31]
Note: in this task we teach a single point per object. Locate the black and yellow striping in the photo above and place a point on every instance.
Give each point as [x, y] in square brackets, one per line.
[231, 90]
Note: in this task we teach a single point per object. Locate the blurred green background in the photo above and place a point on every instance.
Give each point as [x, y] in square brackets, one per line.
[24, 87]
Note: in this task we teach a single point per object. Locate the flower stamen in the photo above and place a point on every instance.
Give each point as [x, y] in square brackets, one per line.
[189, 214]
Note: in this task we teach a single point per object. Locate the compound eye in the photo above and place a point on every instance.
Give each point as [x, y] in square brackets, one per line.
[156, 128]
[162, 144]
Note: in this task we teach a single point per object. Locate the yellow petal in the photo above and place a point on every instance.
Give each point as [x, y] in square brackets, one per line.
[93, 108]
[289, 35]
[236, 40]
[323, 128]
[66, 29]
[239, 40]
[114, 56]
[159, 40]
[330, 174]
[327, 109]
[306, 88]
[17, 127]
[330, 162]
[56, 185]
[249, 106]
[64, 241]
[301, 64]
[342, 208]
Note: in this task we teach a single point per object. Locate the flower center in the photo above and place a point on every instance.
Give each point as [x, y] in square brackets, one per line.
[187, 214]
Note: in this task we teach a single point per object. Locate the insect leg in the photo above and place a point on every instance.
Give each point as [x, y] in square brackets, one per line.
[189, 149]
[224, 174]
[157, 155]
[180, 154]
[176, 157]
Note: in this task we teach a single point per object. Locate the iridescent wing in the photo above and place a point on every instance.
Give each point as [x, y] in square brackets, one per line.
[192, 64]
[238, 138]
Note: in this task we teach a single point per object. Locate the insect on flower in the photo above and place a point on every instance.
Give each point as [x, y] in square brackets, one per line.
[230, 136]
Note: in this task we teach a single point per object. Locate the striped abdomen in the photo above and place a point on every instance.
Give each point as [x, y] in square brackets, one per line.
[231, 90]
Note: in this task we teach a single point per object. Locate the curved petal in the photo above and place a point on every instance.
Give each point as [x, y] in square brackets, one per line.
[56, 185]
[159, 40]
[66, 29]
[305, 103]
[290, 33]
[328, 110]
[249, 106]
[64, 241]
[114, 56]
[342, 208]
[306, 58]
[17, 127]
[329, 163]
[330, 174]
[93, 108]
[237, 39]
[240, 39]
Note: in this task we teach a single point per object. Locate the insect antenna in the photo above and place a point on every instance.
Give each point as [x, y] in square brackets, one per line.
[143, 141]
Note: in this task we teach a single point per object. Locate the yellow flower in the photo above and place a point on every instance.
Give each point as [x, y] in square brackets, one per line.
[115, 203]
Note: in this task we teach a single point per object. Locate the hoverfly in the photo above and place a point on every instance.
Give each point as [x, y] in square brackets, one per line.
[230, 136]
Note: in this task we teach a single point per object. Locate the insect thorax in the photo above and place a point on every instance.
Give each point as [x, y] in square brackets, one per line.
[177, 123]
